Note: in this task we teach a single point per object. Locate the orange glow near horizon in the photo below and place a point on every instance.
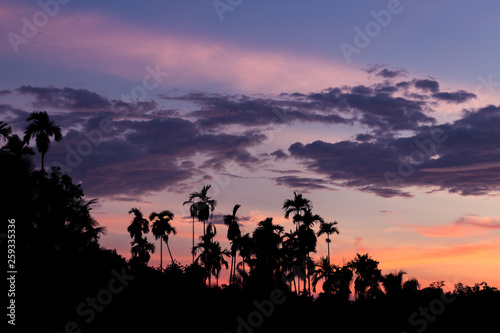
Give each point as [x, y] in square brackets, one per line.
[426, 263]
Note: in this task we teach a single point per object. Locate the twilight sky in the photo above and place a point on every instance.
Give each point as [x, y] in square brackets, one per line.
[386, 114]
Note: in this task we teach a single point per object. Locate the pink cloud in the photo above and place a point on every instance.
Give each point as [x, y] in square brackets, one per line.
[101, 43]
[464, 226]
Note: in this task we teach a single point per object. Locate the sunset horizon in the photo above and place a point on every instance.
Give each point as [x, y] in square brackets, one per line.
[384, 114]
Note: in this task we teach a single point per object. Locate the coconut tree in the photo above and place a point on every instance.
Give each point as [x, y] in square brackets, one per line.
[233, 234]
[328, 228]
[41, 129]
[161, 229]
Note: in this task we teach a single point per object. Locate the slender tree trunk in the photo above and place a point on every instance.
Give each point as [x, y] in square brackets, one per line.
[168, 247]
[234, 267]
[231, 269]
[328, 250]
[161, 254]
[43, 158]
[308, 274]
[193, 239]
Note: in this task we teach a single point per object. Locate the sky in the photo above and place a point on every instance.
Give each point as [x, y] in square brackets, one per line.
[386, 114]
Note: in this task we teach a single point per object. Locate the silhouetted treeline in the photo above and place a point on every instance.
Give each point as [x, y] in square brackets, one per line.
[67, 282]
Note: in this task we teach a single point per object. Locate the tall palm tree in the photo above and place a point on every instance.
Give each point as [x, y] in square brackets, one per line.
[267, 249]
[5, 130]
[161, 228]
[233, 234]
[245, 246]
[291, 259]
[217, 255]
[41, 129]
[307, 240]
[193, 212]
[328, 228]
[205, 246]
[204, 204]
[298, 206]
[139, 224]
[141, 247]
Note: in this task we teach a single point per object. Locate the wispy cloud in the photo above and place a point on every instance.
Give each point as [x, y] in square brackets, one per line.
[91, 40]
[465, 226]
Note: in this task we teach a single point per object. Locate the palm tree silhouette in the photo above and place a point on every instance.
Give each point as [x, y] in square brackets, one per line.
[291, 262]
[17, 147]
[368, 276]
[245, 246]
[141, 247]
[161, 228]
[204, 204]
[82, 230]
[324, 272]
[307, 240]
[267, 240]
[328, 228]
[193, 212]
[139, 224]
[298, 206]
[42, 128]
[233, 234]
[5, 130]
[217, 255]
[205, 247]
[393, 283]
[411, 285]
